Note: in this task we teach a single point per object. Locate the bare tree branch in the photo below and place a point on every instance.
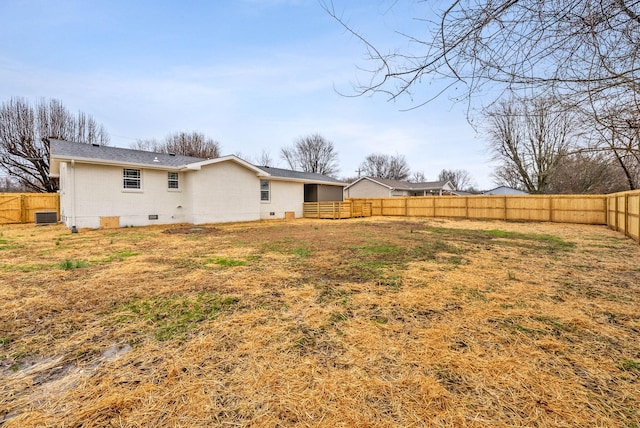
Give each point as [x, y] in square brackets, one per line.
[24, 132]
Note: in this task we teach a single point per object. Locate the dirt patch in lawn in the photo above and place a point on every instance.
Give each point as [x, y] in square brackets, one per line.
[370, 322]
[192, 229]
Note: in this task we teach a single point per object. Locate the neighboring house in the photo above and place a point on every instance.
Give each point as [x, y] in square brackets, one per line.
[504, 190]
[374, 187]
[102, 185]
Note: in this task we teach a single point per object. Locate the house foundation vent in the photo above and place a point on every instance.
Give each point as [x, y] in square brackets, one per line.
[45, 217]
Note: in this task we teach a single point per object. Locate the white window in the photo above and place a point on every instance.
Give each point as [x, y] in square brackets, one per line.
[172, 180]
[264, 191]
[131, 178]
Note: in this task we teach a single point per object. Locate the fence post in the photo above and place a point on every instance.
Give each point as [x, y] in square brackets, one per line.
[466, 207]
[616, 214]
[626, 214]
[504, 201]
[23, 209]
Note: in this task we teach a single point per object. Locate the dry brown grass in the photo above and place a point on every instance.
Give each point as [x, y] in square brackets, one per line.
[379, 322]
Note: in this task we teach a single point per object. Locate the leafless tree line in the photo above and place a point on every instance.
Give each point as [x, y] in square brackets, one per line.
[24, 130]
[193, 143]
[393, 167]
[542, 146]
[509, 58]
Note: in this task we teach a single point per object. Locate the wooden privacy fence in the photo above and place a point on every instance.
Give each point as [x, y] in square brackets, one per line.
[587, 209]
[619, 211]
[623, 213]
[21, 207]
[336, 210]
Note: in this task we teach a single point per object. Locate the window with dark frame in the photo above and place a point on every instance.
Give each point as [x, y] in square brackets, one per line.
[264, 190]
[131, 178]
[173, 181]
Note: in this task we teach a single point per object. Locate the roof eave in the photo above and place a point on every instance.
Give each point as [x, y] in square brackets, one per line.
[61, 158]
[306, 181]
[196, 166]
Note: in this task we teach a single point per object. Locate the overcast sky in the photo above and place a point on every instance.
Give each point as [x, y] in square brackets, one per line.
[251, 74]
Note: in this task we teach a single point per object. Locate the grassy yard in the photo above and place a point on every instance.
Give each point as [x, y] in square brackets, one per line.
[357, 323]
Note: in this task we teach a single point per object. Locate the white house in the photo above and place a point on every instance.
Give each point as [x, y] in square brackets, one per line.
[504, 190]
[374, 187]
[102, 185]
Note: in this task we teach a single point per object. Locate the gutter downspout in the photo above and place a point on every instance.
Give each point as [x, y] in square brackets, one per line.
[74, 229]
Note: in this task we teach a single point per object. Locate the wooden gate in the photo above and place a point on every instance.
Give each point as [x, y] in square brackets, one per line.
[21, 207]
[10, 208]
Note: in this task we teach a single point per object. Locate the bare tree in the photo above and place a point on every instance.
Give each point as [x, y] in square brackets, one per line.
[460, 178]
[148, 145]
[184, 143]
[418, 177]
[386, 166]
[24, 132]
[587, 172]
[265, 158]
[11, 185]
[528, 138]
[616, 131]
[312, 153]
[570, 46]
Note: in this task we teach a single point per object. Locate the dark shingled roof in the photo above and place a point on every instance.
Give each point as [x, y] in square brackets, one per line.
[299, 175]
[61, 148]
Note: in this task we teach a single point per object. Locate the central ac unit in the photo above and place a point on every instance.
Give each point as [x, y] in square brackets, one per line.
[46, 217]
